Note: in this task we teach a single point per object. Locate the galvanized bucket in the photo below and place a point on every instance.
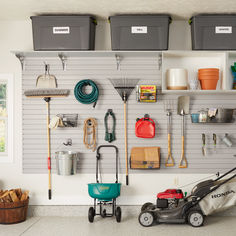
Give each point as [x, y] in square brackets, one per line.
[66, 162]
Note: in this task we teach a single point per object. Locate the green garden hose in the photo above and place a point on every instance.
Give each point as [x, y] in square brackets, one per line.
[83, 97]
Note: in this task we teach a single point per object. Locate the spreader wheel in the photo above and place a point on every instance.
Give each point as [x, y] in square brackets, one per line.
[104, 213]
[118, 214]
[195, 218]
[146, 218]
[91, 214]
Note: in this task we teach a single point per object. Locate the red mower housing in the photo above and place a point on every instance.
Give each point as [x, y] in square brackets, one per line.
[171, 194]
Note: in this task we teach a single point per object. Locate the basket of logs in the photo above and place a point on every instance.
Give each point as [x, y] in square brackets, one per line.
[13, 206]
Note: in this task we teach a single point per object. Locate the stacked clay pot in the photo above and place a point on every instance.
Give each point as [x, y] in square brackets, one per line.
[208, 78]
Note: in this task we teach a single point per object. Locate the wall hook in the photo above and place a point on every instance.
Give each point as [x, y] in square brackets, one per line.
[159, 61]
[22, 60]
[118, 60]
[63, 59]
[68, 142]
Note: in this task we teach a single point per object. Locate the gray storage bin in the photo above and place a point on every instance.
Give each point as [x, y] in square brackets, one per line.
[140, 32]
[63, 32]
[213, 32]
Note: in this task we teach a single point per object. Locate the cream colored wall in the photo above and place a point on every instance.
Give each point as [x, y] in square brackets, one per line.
[16, 35]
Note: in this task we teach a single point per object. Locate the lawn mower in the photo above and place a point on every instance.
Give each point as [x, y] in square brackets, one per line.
[207, 197]
[104, 193]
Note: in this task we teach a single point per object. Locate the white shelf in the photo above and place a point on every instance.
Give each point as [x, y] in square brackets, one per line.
[198, 92]
[88, 53]
[194, 60]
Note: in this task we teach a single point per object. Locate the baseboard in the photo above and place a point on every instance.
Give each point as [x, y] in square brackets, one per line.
[83, 211]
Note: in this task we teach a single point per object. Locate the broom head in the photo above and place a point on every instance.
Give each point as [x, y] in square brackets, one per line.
[43, 93]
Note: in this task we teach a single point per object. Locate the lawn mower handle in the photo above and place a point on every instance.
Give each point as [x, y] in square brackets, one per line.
[226, 173]
[217, 186]
[98, 158]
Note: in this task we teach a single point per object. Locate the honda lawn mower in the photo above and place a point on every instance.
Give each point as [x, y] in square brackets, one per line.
[207, 197]
[104, 193]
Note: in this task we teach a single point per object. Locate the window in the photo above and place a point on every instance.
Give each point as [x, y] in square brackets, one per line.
[6, 118]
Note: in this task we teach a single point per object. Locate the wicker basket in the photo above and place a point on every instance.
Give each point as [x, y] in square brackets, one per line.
[13, 212]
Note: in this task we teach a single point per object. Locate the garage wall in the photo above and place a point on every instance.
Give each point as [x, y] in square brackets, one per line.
[73, 190]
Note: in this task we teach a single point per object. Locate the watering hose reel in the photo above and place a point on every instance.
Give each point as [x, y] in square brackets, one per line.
[83, 97]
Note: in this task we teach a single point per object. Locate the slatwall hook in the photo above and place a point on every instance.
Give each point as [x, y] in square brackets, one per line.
[63, 59]
[118, 60]
[159, 61]
[22, 60]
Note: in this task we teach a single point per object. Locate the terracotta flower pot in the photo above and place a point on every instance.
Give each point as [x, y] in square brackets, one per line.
[208, 78]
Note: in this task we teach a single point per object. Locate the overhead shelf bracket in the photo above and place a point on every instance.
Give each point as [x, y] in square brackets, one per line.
[21, 59]
[159, 61]
[63, 59]
[118, 60]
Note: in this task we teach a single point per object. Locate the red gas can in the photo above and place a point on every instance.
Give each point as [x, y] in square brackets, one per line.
[145, 127]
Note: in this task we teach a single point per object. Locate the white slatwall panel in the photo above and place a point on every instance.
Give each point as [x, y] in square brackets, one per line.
[99, 69]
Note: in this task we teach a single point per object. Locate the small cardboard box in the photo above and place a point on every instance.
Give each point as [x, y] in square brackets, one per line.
[145, 158]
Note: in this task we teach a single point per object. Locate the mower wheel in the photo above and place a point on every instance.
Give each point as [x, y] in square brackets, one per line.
[195, 218]
[91, 214]
[118, 214]
[146, 205]
[146, 218]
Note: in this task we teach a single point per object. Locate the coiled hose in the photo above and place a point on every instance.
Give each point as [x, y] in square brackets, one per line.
[83, 97]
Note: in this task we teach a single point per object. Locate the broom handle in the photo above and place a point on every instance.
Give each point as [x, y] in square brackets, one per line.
[49, 155]
[126, 146]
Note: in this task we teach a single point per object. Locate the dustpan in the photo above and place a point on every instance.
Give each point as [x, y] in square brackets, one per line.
[46, 80]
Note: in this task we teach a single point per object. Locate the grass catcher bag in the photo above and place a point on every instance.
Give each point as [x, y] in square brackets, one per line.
[221, 199]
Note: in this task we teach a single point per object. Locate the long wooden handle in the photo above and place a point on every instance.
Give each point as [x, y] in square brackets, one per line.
[169, 156]
[49, 156]
[126, 145]
[183, 158]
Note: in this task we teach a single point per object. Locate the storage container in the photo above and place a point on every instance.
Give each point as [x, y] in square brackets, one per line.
[66, 162]
[140, 32]
[213, 32]
[13, 212]
[63, 32]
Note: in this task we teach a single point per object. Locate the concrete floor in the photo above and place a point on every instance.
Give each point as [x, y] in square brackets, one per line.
[67, 226]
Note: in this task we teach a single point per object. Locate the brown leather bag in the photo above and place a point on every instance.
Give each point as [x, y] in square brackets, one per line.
[145, 158]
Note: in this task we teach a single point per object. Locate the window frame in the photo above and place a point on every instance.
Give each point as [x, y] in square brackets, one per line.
[8, 156]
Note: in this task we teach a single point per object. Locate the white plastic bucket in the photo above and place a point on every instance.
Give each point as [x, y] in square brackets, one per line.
[177, 79]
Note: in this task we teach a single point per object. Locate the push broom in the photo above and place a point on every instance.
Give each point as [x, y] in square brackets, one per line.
[124, 87]
[47, 94]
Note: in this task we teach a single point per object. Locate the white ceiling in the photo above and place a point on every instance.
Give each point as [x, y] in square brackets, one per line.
[179, 9]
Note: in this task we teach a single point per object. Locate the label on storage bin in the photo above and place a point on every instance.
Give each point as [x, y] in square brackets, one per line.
[223, 29]
[61, 30]
[139, 29]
